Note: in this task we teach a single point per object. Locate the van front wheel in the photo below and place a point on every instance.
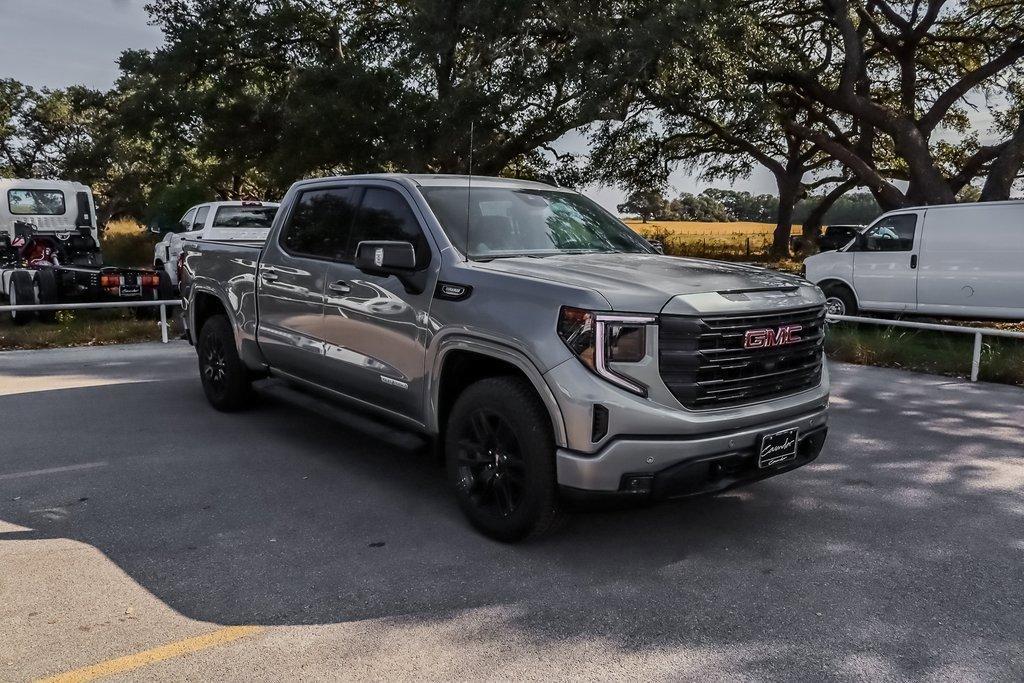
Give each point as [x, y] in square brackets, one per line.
[840, 301]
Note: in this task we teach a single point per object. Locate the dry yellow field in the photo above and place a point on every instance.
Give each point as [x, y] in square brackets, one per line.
[703, 229]
[123, 226]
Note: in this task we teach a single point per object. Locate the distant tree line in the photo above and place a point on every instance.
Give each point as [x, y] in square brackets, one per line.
[829, 96]
[857, 208]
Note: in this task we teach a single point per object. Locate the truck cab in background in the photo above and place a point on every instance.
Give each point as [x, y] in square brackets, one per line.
[50, 251]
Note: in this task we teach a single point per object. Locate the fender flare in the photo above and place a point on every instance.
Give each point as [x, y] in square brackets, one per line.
[500, 351]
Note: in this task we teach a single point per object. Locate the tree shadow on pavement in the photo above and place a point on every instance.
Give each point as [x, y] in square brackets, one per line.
[897, 552]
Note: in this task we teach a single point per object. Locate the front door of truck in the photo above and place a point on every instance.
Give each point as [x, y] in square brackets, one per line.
[885, 264]
[291, 279]
[375, 329]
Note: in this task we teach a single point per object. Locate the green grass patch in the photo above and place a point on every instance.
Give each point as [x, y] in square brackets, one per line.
[938, 353]
[81, 328]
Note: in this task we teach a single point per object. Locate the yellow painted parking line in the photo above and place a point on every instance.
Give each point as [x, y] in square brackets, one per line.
[157, 654]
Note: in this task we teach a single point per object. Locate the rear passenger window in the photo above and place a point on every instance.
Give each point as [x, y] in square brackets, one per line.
[321, 223]
[386, 215]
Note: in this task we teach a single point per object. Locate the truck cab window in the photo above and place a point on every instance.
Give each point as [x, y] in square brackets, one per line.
[321, 222]
[893, 233]
[185, 224]
[385, 215]
[200, 219]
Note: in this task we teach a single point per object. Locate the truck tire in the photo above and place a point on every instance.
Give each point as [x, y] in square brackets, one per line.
[22, 293]
[226, 380]
[46, 286]
[839, 300]
[165, 290]
[500, 456]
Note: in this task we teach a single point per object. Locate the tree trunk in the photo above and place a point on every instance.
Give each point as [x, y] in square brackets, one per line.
[812, 224]
[927, 184]
[789, 192]
[1005, 168]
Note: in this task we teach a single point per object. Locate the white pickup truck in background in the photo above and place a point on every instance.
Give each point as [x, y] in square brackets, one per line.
[237, 221]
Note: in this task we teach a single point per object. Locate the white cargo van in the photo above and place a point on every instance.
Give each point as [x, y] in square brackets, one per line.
[958, 260]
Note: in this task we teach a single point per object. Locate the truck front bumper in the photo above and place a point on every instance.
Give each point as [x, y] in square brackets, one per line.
[681, 466]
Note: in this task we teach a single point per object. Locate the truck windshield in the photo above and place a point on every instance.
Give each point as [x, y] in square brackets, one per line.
[244, 216]
[36, 202]
[507, 222]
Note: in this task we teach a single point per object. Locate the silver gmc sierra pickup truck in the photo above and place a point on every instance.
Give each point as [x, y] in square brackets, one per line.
[548, 348]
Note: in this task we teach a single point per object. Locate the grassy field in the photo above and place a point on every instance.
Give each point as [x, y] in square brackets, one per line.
[938, 353]
[698, 228]
[736, 241]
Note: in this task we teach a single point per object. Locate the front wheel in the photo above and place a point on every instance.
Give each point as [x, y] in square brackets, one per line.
[500, 457]
[840, 301]
[226, 381]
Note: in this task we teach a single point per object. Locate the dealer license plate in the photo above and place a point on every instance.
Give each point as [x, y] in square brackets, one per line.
[777, 448]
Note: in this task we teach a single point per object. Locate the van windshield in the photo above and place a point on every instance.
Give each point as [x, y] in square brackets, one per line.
[507, 222]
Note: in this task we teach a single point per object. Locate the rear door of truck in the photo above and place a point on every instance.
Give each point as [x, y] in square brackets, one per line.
[290, 283]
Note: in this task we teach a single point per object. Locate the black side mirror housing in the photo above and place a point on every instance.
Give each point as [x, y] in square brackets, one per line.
[382, 257]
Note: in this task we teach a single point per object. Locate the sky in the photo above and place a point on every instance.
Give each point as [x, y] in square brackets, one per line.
[56, 43]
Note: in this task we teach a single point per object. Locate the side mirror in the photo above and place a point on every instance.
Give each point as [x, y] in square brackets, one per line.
[392, 258]
[385, 258]
[154, 228]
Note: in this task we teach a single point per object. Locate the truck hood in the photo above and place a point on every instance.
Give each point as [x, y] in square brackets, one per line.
[647, 282]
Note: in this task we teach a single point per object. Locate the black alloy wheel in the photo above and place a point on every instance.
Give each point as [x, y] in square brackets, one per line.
[491, 469]
[500, 453]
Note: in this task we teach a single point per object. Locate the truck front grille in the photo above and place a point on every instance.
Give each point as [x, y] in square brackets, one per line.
[704, 361]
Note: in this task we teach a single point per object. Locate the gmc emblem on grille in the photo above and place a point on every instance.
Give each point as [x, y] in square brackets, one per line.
[763, 339]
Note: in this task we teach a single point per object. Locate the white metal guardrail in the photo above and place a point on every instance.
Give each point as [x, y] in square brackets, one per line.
[978, 332]
[162, 303]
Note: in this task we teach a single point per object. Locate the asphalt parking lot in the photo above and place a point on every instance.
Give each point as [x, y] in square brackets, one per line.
[145, 535]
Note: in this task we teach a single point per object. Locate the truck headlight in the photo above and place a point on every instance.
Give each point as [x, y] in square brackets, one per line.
[601, 338]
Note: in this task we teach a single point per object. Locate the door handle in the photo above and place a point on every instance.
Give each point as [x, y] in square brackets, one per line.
[913, 261]
[269, 273]
[341, 287]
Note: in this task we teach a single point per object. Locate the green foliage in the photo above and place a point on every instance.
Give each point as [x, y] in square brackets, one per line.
[128, 249]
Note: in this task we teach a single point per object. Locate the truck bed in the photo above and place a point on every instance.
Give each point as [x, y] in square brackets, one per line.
[225, 268]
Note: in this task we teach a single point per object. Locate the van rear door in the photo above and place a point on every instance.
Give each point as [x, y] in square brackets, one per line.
[885, 263]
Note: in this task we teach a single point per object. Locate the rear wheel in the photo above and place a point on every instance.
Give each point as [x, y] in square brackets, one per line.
[226, 380]
[500, 457]
[839, 300]
[22, 293]
[46, 287]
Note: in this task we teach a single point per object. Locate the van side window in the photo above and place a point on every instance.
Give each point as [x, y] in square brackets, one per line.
[321, 222]
[386, 215]
[200, 220]
[893, 233]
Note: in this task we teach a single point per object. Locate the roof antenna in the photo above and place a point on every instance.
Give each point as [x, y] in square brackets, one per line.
[469, 188]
